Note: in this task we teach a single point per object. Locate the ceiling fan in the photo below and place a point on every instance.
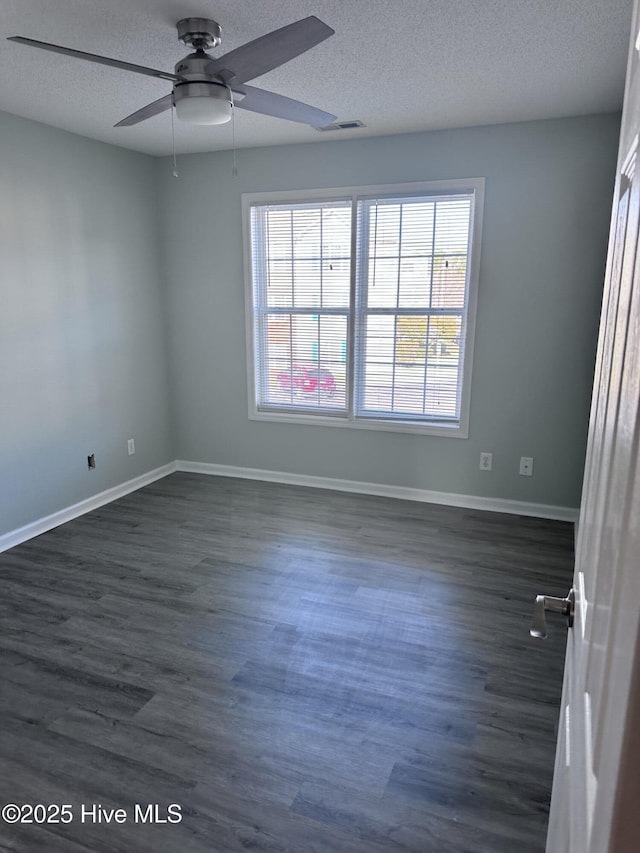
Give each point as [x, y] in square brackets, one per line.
[205, 89]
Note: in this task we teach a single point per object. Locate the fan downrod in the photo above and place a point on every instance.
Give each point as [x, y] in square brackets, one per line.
[199, 33]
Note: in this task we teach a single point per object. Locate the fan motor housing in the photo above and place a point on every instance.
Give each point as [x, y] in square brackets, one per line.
[193, 68]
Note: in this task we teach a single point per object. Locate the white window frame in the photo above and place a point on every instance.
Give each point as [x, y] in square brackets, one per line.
[473, 186]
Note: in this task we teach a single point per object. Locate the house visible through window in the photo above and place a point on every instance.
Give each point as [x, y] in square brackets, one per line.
[361, 305]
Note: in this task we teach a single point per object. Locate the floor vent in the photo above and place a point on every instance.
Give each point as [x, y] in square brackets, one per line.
[341, 125]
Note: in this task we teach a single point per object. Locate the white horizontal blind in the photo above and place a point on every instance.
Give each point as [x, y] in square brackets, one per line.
[301, 264]
[412, 302]
[378, 337]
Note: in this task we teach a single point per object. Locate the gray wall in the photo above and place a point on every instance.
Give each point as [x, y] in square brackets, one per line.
[82, 339]
[548, 202]
[83, 328]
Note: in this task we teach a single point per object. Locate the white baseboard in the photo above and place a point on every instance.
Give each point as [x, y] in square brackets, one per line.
[35, 528]
[561, 513]
[41, 525]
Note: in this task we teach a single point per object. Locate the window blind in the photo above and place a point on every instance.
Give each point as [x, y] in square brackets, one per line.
[411, 306]
[301, 258]
[372, 328]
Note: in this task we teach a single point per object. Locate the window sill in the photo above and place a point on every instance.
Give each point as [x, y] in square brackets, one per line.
[458, 430]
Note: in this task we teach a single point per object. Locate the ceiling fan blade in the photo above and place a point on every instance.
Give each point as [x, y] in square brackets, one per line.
[271, 50]
[152, 109]
[270, 104]
[94, 57]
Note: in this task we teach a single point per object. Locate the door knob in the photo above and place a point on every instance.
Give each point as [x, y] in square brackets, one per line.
[555, 605]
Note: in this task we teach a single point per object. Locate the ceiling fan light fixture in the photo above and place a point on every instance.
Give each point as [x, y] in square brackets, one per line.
[202, 103]
[200, 91]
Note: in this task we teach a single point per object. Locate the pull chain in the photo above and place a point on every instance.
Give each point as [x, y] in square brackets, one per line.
[173, 143]
[234, 167]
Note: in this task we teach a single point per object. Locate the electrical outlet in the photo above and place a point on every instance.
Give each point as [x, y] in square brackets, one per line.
[486, 461]
[131, 446]
[91, 461]
[526, 466]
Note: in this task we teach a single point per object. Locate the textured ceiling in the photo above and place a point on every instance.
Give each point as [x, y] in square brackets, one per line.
[398, 65]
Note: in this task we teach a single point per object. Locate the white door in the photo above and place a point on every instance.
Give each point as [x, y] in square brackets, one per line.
[595, 805]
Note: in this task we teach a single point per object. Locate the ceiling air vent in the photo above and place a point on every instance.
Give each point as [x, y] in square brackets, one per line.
[342, 125]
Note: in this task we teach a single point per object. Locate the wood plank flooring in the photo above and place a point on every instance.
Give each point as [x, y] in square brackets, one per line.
[300, 670]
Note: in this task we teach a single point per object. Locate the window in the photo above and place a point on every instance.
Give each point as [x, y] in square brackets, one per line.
[361, 305]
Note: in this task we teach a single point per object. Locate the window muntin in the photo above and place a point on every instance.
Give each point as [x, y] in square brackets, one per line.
[362, 306]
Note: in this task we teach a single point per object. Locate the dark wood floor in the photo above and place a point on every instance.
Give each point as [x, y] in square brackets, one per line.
[299, 670]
